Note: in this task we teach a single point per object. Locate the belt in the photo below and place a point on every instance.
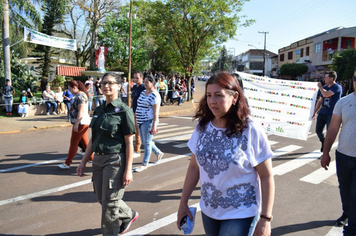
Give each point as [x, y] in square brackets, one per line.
[101, 153]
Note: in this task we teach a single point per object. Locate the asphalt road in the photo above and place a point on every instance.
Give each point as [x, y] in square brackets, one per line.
[38, 198]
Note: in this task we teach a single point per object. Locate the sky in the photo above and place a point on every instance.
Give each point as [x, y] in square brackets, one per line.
[288, 21]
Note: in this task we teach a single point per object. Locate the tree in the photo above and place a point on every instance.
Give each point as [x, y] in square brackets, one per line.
[223, 62]
[115, 35]
[54, 11]
[192, 28]
[293, 69]
[344, 63]
[95, 13]
[22, 12]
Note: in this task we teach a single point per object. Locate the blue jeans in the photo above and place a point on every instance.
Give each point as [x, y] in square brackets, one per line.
[90, 105]
[68, 107]
[180, 99]
[8, 104]
[146, 140]
[346, 174]
[321, 121]
[238, 227]
[49, 104]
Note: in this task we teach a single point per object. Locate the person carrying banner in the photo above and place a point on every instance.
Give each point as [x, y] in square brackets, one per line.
[345, 156]
[329, 94]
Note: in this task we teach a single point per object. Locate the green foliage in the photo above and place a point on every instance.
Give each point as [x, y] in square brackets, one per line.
[293, 69]
[223, 62]
[24, 13]
[59, 80]
[344, 64]
[191, 29]
[115, 36]
[54, 11]
[22, 77]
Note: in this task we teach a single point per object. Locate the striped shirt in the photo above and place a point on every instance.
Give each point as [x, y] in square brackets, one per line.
[144, 111]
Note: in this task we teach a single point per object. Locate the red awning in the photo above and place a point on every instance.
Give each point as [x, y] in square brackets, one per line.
[70, 70]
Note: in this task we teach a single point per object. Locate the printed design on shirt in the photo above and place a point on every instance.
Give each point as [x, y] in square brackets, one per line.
[239, 195]
[216, 152]
[326, 102]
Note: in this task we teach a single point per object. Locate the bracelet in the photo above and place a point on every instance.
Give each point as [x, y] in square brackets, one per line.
[267, 218]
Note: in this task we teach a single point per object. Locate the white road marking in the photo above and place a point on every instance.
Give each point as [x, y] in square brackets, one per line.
[31, 165]
[172, 131]
[335, 231]
[77, 184]
[149, 228]
[182, 117]
[284, 150]
[296, 163]
[45, 192]
[182, 145]
[183, 136]
[272, 142]
[320, 175]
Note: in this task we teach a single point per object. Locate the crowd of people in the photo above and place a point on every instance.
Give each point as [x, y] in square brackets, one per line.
[231, 156]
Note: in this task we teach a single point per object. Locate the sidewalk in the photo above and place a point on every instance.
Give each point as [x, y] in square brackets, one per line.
[19, 124]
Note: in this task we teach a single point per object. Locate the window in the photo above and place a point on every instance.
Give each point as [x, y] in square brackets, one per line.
[256, 65]
[318, 47]
[347, 44]
[281, 57]
[307, 51]
[290, 55]
[302, 52]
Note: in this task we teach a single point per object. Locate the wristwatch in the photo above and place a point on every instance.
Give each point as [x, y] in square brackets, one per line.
[267, 218]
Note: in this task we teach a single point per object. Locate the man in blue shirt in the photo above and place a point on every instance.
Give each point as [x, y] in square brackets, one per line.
[8, 91]
[329, 94]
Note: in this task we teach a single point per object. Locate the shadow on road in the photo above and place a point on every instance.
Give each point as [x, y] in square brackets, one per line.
[288, 229]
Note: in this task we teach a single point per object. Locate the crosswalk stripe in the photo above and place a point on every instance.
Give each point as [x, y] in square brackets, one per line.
[272, 142]
[296, 163]
[182, 145]
[173, 130]
[167, 126]
[284, 150]
[185, 135]
[320, 175]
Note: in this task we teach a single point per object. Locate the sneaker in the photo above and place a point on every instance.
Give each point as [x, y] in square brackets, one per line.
[342, 220]
[124, 227]
[63, 166]
[7, 113]
[135, 154]
[140, 169]
[10, 114]
[47, 113]
[159, 157]
[54, 113]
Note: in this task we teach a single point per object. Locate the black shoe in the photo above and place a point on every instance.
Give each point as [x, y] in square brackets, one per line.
[342, 220]
[124, 227]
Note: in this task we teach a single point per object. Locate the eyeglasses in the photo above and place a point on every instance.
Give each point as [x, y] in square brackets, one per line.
[110, 83]
[354, 78]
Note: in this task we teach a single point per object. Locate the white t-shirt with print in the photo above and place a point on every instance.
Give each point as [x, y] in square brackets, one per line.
[144, 111]
[230, 186]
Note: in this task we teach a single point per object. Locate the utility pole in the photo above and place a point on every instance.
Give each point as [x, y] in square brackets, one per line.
[129, 69]
[264, 51]
[6, 41]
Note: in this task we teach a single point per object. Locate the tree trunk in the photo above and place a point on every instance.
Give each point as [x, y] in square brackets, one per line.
[6, 41]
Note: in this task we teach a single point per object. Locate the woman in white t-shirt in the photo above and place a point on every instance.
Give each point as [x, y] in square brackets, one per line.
[79, 117]
[232, 159]
[147, 111]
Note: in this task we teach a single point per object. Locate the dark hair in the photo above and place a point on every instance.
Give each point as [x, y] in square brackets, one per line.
[117, 77]
[139, 72]
[7, 80]
[150, 78]
[236, 117]
[237, 76]
[79, 85]
[332, 74]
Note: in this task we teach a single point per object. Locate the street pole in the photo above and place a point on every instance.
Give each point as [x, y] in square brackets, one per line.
[6, 41]
[264, 52]
[129, 64]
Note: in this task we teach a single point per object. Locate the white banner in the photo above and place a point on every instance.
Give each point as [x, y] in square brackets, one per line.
[283, 107]
[36, 37]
